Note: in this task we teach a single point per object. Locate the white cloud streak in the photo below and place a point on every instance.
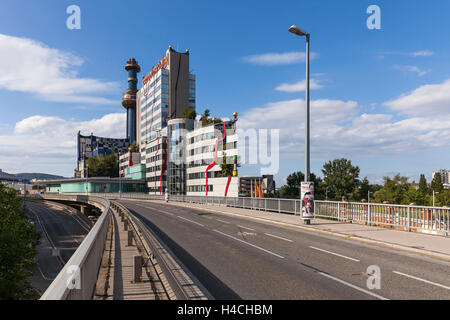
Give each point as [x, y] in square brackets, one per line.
[299, 86]
[274, 59]
[413, 69]
[32, 67]
[48, 144]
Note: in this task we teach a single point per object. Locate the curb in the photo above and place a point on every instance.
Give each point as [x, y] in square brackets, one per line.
[431, 254]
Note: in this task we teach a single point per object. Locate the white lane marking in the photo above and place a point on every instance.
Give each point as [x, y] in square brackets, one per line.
[336, 254]
[191, 221]
[246, 228]
[281, 238]
[423, 280]
[223, 221]
[151, 208]
[353, 286]
[252, 245]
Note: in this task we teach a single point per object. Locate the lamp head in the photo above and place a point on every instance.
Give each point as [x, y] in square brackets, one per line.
[296, 30]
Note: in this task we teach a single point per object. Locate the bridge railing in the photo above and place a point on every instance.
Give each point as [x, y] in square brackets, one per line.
[435, 220]
[77, 279]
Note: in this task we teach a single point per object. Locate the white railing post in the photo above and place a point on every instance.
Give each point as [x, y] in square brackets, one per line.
[368, 214]
[409, 219]
[339, 211]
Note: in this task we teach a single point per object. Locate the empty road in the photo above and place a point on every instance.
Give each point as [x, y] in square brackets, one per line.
[238, 258]
[62, 231]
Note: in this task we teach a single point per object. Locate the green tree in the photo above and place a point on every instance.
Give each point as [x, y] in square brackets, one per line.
[362, 191]
[423, 187]
[436, 183]
[103, 166]
[189, 113]
[394, 190]
[133, 147]
[205, 117]
[340, 178]
[414, 196]
[442, 199]
[291, 189]
[18, 241]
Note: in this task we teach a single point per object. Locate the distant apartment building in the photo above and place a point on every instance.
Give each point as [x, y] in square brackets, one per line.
[167, 91]
[154, 158]
[93, 146]
[445, 176]
[246, 184]
[130, 166]
[209, 150]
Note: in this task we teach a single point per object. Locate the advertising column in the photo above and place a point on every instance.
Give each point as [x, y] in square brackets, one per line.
[307, 200]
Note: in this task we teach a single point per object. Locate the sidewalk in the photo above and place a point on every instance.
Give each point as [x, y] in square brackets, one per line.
[418, 243]
[121, 284]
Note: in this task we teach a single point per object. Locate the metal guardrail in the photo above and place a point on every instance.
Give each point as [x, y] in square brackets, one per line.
[77, 279]
[434, 220]
[139, 228]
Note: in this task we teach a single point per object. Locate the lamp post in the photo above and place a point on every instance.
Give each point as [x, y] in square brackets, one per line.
[433, 196]
[368, 196]
[307, 189]
[299, 32]
[120, 178]
[86, 171]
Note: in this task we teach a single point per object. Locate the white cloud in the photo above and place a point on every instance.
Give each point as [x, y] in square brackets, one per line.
[338, 128]
[424, 53]
[428, 100]
[51, 74]
[299, 86]
[273, 59]
[413, 69]
[421, 53]
[48, 144]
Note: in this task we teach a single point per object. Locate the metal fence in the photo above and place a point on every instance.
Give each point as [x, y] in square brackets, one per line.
[77, 279]
[434, 220]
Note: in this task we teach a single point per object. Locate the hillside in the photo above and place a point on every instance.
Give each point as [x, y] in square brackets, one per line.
[39, 176]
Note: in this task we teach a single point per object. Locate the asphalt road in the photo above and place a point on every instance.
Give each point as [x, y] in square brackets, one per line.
[238, 258]
[62, 233]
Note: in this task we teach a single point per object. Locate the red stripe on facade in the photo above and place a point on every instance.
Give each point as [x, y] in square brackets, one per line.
[228, 184]
[212, 164]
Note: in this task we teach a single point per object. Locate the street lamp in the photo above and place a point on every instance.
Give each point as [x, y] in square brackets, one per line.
[368, 196]
[120, 177]
[299, 32]
[87, 172]
[308, 214]
[433, 196]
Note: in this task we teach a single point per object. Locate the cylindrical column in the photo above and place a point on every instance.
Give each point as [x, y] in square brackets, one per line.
[307, 148]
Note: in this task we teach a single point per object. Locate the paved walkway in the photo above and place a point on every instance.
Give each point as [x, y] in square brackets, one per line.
[420, 243]
[121, 284]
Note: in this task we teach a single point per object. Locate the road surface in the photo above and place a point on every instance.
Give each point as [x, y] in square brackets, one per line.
[61, 234]
[238, 258]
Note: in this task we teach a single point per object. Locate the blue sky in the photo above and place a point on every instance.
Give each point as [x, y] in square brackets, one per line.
[381, 96]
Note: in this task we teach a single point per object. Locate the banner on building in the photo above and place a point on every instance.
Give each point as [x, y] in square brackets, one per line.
[307, 200]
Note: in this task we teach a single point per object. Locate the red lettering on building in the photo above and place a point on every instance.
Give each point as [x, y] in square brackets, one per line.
[161, 65]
